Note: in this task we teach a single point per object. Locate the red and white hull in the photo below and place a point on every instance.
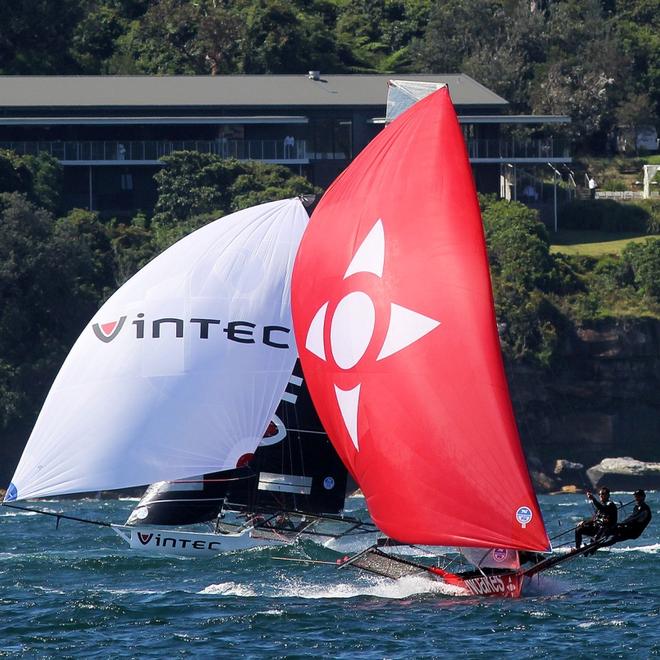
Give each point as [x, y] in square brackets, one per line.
[500, 585]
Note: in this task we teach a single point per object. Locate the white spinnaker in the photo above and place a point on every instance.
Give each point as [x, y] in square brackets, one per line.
[131, 410]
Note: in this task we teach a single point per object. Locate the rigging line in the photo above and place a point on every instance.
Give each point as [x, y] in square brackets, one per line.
[305, 561]
[307, 431]
[59, 516]
[572, 529]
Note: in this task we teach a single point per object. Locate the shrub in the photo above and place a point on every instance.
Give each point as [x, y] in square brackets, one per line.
[39, 178]
[194, 185]
[644, 261]
[611, 272]
[607, 215]
[614, 184]
[652, 206]
[526, 323]
[518, 244]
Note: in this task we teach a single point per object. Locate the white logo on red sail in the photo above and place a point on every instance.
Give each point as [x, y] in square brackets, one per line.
[353, 323]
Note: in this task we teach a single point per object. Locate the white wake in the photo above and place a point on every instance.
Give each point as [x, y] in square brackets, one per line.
[378, 588]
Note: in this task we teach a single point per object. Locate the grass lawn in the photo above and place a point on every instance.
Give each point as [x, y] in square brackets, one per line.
[593, 243]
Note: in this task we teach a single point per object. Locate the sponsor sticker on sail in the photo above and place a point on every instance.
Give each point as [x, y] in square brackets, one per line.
[524, 516]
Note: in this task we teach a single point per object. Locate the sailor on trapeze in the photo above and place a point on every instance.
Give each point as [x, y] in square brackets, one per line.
[602, 527]
[633, 526]
[602, 523]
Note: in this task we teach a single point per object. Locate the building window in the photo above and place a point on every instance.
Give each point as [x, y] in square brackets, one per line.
[127, 182]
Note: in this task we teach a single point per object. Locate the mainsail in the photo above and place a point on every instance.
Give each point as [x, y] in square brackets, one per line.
[395, 325]
[180, 371]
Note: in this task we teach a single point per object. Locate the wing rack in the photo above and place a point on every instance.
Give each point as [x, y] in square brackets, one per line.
[377, 562]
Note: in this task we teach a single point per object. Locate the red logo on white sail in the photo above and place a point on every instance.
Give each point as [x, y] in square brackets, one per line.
[106, 332]
[354, 321]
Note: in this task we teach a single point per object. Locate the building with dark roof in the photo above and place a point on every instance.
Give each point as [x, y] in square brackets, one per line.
[110, 132]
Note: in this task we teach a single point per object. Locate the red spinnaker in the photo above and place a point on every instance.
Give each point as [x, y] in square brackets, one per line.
[394, 319]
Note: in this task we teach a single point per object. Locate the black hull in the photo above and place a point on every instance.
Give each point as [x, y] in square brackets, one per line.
[297, 472]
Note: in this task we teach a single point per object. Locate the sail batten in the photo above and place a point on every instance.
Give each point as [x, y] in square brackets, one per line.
[181, 370]
[430, 437]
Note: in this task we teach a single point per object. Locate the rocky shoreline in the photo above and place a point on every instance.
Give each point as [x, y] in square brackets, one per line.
[617, 474]
[599, 399]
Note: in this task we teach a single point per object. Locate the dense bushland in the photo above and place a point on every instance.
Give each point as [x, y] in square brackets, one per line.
[597, 61]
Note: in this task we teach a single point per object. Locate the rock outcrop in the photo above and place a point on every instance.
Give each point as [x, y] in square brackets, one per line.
[625, 474]
[601, 398]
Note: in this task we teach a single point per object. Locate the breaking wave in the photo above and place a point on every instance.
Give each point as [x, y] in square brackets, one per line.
[648, 549]
[379, 588]
[14, 514]
[229, 589]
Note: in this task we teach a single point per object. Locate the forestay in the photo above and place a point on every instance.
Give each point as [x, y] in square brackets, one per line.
[395, 325]
[181, 370]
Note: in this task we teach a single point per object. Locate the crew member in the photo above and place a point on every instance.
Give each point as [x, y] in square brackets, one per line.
[633, 526]
[603, 521]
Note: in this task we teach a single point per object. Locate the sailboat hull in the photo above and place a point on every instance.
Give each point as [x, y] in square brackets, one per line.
[483, 582]
[169, 542]
[509, 585]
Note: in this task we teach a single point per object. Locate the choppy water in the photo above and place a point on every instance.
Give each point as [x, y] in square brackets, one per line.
[79, 592]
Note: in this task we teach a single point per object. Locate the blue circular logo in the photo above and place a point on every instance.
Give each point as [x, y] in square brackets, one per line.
[524, 515]
[328, 483]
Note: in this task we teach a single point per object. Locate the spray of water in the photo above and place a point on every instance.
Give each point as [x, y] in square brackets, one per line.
[374, 587]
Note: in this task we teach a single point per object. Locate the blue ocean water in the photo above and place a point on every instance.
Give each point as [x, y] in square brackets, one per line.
[78, 591]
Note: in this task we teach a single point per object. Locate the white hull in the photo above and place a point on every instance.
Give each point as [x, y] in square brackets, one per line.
[172, 542]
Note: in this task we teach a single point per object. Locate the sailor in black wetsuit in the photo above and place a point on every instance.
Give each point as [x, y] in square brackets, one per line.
[633, 526]
[602, 523]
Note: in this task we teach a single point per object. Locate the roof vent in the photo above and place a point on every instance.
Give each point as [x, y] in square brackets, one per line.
[314, 75]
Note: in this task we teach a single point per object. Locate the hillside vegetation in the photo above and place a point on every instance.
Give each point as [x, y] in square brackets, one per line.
[56, 270]
[597, 61]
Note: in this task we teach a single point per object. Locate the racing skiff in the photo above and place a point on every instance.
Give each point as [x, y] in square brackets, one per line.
[395, 324]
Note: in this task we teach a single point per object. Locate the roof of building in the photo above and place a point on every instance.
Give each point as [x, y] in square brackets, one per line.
[224, 91]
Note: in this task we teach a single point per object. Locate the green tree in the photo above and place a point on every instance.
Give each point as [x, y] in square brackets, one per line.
[261, 182]
[635, 111]
[637, 28]
[36, 35]
[644, 261]
[585, 72]
[191, 183]
[165, 39]
[221, 37]
[91, 260]
[456, 30]
[508, 63]
[46, 270]
[39, 177]
[96, 36]
[195, 188]
[132, 247]
[518, 244]
[523, 272]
